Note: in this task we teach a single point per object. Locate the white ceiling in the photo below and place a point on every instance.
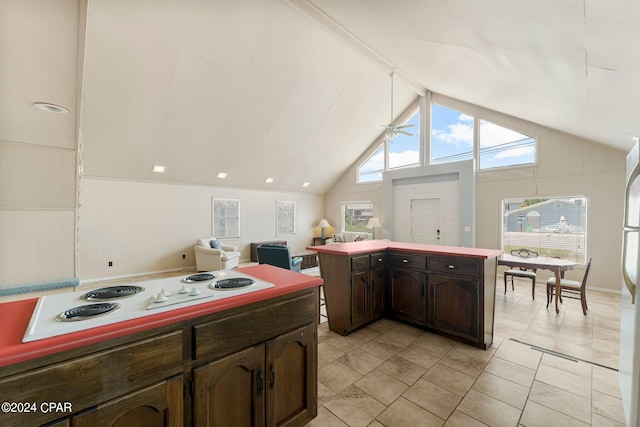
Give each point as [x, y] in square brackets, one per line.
[297, 90]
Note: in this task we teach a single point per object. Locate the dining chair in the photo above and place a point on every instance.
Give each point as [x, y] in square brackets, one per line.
[522, 272]
[570, 289]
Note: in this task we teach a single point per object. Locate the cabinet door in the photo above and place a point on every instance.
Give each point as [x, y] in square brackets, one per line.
[454, 305]
[291, 362]
[158, 405]
[377, 292]
[230, 391]
[359, 303]
[407, 295]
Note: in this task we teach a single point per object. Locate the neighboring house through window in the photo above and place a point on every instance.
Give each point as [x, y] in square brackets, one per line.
[355, 216]
[551, 226]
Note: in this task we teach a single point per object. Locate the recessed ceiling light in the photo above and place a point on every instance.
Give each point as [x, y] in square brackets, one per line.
[268, 180]
[158, 168]
[50, 108]
[306, 184]
[222, 175]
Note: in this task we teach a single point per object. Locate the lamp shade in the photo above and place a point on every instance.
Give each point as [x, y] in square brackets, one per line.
[373, 222]
[324, 223]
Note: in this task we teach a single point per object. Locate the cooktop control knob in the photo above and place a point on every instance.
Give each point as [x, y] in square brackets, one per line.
[184, 290]
[195, 292]
[161, 297]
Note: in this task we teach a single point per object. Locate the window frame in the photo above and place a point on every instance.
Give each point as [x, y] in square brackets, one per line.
[382, 147]
[214, 218]
[578, 230]
[535, 138]
[480, 114]
[343, 212]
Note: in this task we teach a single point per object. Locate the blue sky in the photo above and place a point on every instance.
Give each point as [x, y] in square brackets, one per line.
[452, 134]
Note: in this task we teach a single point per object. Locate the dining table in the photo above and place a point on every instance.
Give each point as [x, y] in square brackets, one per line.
[556, 265]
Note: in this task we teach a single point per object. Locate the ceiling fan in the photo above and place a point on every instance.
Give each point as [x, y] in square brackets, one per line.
[394, 129]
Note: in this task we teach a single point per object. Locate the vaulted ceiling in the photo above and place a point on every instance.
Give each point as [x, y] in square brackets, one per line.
[296, 90]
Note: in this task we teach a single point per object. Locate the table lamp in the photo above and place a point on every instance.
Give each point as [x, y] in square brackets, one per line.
[373, 223]
[324, 224]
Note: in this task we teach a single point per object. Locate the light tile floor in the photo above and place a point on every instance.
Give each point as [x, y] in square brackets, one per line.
[391, 374]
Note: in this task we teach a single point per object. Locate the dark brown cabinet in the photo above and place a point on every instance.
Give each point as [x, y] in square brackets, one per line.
[451, 294]
[378, 283]
[156, 406]
[366, 289]
[407, 287]
[270, 384]
[454, 305]
[407, 295]
[455, 294]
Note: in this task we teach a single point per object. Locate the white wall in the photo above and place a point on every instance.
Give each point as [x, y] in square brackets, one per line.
[567, 165]
[145, 227]
[37, 213]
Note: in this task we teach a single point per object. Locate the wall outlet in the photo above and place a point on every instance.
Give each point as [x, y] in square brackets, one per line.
[110, 263]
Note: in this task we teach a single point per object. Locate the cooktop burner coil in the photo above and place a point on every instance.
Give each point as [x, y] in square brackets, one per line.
[232, 283]
[85, 312]
[200, 277]
[111, 293]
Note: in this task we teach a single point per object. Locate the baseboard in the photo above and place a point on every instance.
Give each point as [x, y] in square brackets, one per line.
[26, 288]
[147, 273]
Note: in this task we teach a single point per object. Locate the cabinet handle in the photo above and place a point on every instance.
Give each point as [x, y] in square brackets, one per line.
[273, 376]
[451, 266]
[405, 260]
[260, 381]
[379, 259]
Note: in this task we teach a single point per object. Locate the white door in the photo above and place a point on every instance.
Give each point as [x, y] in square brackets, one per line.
[425, 221]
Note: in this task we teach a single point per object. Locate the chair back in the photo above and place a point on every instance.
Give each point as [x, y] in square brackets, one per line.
[524, 253]
[586, 273]
[274, 254]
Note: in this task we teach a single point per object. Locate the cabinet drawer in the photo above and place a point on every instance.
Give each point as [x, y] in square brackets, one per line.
[398, 259]
[90, 380]
[378, 260]
[359, 263]
[230, 334]
[453, 265]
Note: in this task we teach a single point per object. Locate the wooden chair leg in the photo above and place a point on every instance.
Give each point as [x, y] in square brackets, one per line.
[505, 282]
[533, 288]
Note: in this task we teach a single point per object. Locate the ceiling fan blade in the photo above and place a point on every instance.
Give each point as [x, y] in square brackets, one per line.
[405, 133]
[406, 126]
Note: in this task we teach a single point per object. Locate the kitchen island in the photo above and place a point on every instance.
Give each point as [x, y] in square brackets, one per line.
[250, 359]
[445, 289]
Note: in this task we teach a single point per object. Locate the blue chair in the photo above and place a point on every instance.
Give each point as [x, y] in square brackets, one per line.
[278, 255]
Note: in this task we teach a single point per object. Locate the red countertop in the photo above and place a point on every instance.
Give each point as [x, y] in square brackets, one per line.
[15, 316]
[365, 246]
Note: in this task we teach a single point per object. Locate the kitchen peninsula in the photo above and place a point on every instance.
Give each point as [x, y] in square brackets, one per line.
[249, 359]
[445, 289]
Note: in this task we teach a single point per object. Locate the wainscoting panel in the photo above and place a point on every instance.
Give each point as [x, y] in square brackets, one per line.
[36, 245]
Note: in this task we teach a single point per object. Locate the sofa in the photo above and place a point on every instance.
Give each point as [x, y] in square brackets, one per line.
[212, 255]
[347, 236]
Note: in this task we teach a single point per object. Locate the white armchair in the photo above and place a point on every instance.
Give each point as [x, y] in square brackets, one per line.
[209, 258]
